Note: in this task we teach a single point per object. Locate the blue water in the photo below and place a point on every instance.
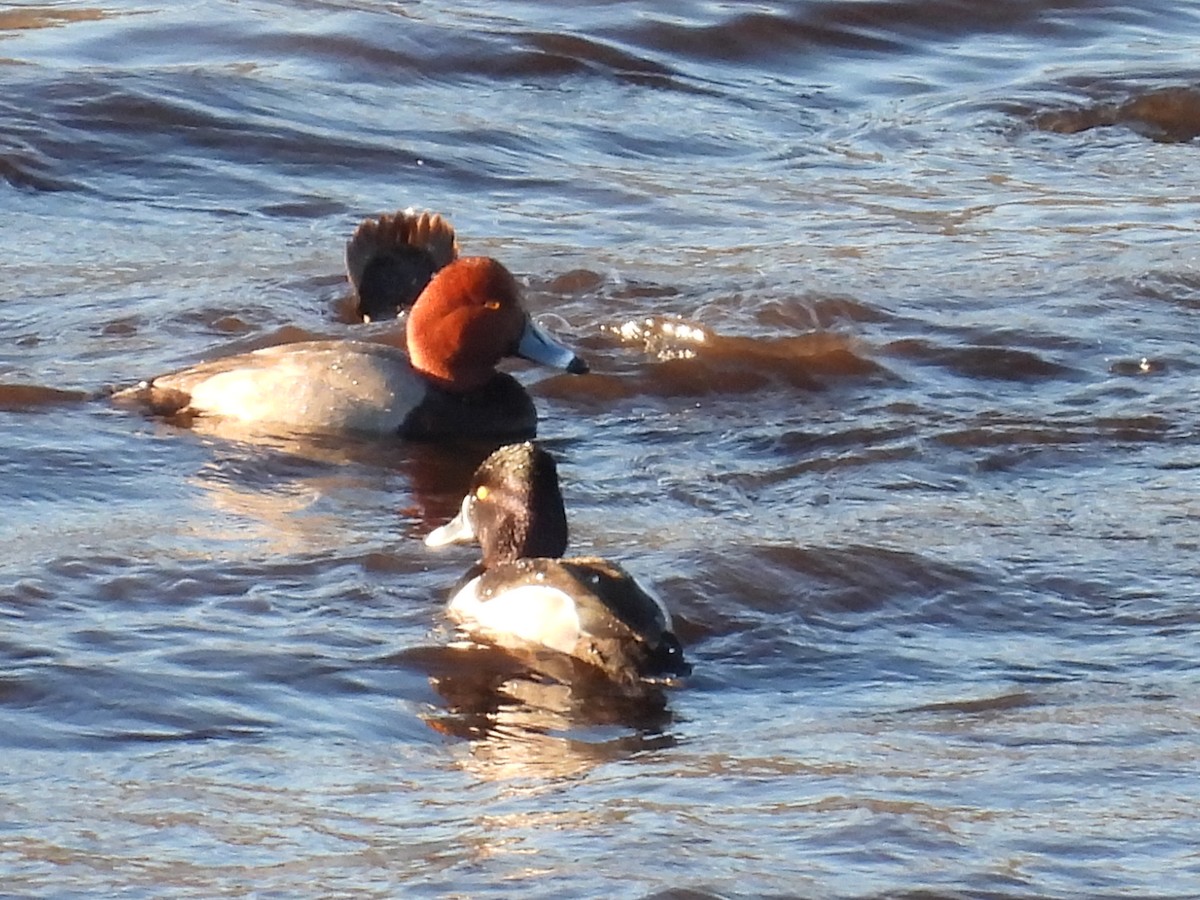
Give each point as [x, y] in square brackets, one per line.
[923, 503]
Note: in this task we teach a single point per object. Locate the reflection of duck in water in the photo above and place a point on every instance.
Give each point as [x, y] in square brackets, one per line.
[546, 714]
[523, 595]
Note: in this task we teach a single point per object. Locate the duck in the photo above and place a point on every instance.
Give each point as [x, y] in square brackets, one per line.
[523, 594]
[390, 258]
[463, 322]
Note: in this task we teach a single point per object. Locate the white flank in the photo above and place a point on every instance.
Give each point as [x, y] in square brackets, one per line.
[534, 614]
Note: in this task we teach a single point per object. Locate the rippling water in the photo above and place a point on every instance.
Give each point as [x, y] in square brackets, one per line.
[923, 498]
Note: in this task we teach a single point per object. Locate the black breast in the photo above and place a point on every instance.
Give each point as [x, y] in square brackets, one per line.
[500, 409]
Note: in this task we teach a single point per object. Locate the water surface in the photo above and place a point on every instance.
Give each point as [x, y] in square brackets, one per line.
[922, 500]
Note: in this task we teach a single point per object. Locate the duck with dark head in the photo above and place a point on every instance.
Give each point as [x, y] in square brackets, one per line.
[524, 594]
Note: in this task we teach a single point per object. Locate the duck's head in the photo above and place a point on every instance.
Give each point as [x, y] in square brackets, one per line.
[470, 317]
[514, 508]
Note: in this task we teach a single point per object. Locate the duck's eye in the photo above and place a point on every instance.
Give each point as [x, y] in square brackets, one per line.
[492, 305]
[481, 492]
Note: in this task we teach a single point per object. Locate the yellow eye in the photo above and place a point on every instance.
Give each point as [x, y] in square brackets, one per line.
[492, 304]
[481, 493]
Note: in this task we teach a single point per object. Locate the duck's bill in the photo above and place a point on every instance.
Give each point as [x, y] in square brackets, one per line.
[539, 346]
[457, 531]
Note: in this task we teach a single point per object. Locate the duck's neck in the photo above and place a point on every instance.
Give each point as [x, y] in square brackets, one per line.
[452, 379]
[541, 535]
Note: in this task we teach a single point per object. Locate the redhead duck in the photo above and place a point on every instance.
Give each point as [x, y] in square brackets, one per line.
[390, 259]
[523, 594]
[463, 323]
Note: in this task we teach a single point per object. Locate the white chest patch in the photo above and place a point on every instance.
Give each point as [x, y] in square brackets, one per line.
[533, 614]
